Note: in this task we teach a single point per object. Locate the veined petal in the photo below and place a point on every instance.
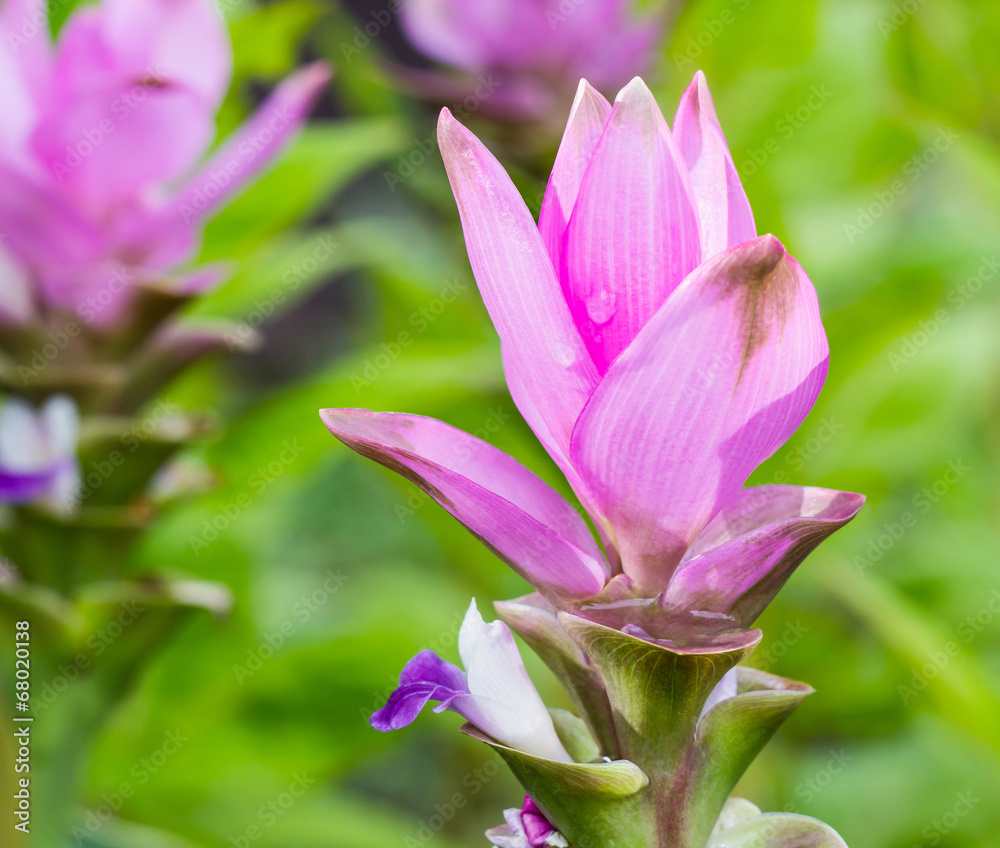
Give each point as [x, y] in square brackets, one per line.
[711, 387]
[519, 287]
[745, 555]
[633, 234]
[521, 518]
[724, 213]
[584, 128]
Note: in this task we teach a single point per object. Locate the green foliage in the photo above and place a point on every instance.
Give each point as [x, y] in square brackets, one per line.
[867, 137]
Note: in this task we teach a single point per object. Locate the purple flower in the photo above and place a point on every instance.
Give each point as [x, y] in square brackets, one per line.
[525, 828]
[38, 453]
[494, 692]
[102, 147]
[659, 350]
[520, 60]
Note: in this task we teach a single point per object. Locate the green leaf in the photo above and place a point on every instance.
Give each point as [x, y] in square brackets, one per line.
[733, 733]
[736, 811]
[778, 830]
[575, 737]
[657, 692]
[598, 805]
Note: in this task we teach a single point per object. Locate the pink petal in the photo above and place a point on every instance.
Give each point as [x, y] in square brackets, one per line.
[584, 128]
[544, 356]
[253, 146]
[111, 144]
[633, 235]
[84, 59]
[723, 209]
[41, 228]
[748, 551]
[446, 30]
[712, 386]
[25, 68]
[183, 41]
[523, 520]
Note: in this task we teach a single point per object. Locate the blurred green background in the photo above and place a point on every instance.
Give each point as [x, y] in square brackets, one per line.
[867, 133]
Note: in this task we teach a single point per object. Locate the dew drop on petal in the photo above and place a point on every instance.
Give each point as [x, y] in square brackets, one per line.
[601, 306]
[563, 355]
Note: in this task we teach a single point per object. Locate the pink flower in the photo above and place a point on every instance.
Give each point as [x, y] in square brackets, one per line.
[659, 349]
[519, 58]
[104, 183]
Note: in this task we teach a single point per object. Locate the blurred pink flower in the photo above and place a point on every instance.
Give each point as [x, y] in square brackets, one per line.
[519, 59]
[103, 182]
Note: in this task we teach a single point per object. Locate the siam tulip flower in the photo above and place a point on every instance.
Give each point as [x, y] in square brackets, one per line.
[494, 693]
[38, 453]
[103, 165]
[525, 828]
[659, 349]
[520, 61]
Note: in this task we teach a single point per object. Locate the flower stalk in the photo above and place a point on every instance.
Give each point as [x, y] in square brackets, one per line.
[661, 350]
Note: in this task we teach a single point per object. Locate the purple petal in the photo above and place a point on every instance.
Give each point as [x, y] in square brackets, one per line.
[584, 128]
[536, 827]
[712, 386]
[425, 678]
[521, 518]
[745, 555]
[544, 356]
[23, 486]
[633, 234]
[724, 213]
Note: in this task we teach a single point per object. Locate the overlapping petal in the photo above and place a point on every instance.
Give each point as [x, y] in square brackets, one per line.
[633, 234]
[713, 385]
[724, 215]
[745, 555]
[494, 693]
[542, 346]
[526, 522]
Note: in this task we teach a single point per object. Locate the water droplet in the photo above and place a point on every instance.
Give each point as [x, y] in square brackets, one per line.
[601, 306]
[563, 354]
